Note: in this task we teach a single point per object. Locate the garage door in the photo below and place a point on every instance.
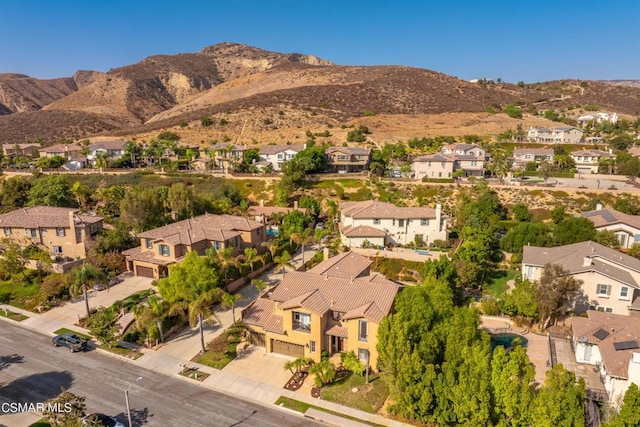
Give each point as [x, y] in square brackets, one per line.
[287, 348]
[256, 338]
[144, 271]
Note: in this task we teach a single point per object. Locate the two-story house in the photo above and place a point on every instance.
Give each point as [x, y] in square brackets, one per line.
[16, 150]
[71, 152]
[588, 161]
[225, 155]
[433, 166]
[112, 149]
[597, 117]
[63, 232]
[626, 227]
[380, 224]
[308, 313]
[277, 155]
[612, 343]
[523, 156]
[611, 279]
[348, 159]
[167, 245]
[469, 158]
[556, 135]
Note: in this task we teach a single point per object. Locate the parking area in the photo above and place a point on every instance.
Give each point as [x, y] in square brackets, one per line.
[253, 362]
[69, 313]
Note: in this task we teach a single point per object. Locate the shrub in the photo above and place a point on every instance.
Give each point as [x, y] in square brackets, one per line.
[489, 306]
[351, 363]
[324, 371]
[206, 121]
[513, 111]
[223, 122]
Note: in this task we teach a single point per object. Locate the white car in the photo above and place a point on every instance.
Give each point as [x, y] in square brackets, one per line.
[100, 420]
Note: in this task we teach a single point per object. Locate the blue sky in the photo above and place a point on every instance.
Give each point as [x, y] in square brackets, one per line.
[510, 39]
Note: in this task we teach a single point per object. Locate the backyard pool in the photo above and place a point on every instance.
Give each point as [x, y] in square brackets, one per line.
[507, 340]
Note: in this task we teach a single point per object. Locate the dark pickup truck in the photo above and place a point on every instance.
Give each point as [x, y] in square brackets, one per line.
[71, 341]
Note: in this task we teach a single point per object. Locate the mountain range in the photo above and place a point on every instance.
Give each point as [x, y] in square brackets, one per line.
[267, 96]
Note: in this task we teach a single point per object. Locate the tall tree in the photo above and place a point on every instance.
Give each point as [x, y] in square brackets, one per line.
[142, 209]
[250, 256]
[512, 379]
[51, 190]
[629, 415]
[81, 193]
[149, 317]
[84, 278]
[560, 401]
[181, 201]
[303, 239]
[283, 260]
[555, 289]
[230, 300]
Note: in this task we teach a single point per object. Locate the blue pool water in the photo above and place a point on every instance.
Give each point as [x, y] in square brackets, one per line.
[506, 340]
[271, 232]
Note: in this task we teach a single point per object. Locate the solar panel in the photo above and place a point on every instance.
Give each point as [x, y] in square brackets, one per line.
[608, 216]
[625, 345]
[601, 334]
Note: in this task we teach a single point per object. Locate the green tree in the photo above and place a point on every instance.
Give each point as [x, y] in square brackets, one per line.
[324, 371]
[522, 300]
[230, 301]
[513, 111]
[250, 256]
[607, 238]
[181, 201]
[558, 213]
[13, 259]
[101, 160]
[50, 190]
[574, 230]
[378, 164]
[521, 212]
[117, 239]
[444, 270]
[142, 209]
[149, 317]
[526, 233]
[54, 162]
[81, 193]
[84, 278]
[102, 325]
[311, 204]
[303, 239]
[282, 261]
[555, 289]
[14, 192]
[629, 416]
[512, 380]
[560, 401]
[260, 285]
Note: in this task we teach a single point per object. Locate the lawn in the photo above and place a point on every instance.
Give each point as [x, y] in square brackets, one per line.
[499, 285]
[369, 397]
[222, 349]
[69, 331]
[194, 374]
[122, 351]
[13, 316]
[22, 294]
[298, 406]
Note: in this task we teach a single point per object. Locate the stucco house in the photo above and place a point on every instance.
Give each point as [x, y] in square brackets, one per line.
[63, 232]
[556, 135]
[308, 313]
[612, 343]
[71, 152]
[522, 156]
[626, 227]
[588, 161]
[112, 149]
[277, 155]
[163, 246]
[348, 159]
[611, 279]
[15, 150]
[597, 117]
[380, 224]
[469, 158]
[435, 166]
[225, 155]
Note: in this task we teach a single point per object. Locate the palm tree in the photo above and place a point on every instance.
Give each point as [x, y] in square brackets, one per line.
[84, 278]
[189, 154]
[282, 261]
[272, 246]
[80, 192]
[260, 285]
[198, 311]
[101, 160]
[230, 300]
[226, 259]
[251, 256]
[153, 313]
[303, 239]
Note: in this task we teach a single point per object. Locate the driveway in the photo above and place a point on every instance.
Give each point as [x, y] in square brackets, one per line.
[68, 314]
[255, 363]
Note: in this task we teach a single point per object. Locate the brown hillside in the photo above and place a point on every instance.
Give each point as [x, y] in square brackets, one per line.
[20, 93]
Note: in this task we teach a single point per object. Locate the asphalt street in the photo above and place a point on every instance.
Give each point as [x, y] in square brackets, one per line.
[32, 370]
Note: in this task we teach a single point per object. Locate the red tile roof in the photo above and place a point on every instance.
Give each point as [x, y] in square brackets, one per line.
[347, 265]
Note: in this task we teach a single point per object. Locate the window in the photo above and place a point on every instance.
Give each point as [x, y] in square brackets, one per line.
[312, 346]
[31, 232]
[424, 221]
[148, 243]
[57, 249]
[236, 241]
[602, 308]
[376, 221]
[363, 355]
[164, 250]
[401, 222]
[217, 245]
[336, 315]
[603, 290]
[301, 322]
[258, 231]
[624, 292]
[60, 232]
[280, 157]
[442, 165]
[7, 231]
[636, 238]
[363, 330]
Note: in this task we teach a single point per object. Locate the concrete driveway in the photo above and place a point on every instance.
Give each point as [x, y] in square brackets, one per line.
[68, 314]
[255, 363]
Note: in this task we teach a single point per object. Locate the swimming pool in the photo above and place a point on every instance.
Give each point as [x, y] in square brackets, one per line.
[507, 340]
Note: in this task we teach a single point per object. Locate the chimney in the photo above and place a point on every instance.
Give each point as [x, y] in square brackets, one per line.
[326, 276]
[325, 253]
[295, 204]
[599, 207]
[262, 203]
[586, 261]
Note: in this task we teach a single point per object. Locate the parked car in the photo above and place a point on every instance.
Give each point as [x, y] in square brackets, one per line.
[99, 286]
[114, 280]
[95, 420]
[71, 341]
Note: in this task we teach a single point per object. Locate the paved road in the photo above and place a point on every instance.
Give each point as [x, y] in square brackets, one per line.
[31, 370]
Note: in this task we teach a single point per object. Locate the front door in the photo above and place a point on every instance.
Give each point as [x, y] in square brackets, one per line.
[337, 344]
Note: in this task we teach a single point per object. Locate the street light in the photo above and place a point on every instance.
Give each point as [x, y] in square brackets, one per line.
[126, 398]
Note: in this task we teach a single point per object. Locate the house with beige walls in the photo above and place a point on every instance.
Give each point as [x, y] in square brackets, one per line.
[308, 313]
[381, 224]
[588, 161]
[522, 156]
[433, 166]
[163, 246]
[348, 159]
[62, 232]
[555, 135]
[625, 227]
[277, 155]
[611, 279]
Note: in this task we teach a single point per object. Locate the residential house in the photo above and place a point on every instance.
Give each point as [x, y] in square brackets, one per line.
[610, 278]
[597, 117]
[71, 152]
[522, 156]
[612, 343]
[167, 245]
[17, 150]
[556, 135]
[435, 166]
[225, 155]
[380, 224]
[349, 265]
[308, 314]
[348, 159]
[626, 227]
[469, 158]
[277, 155]
[112, 149]
[63, 232]
[588, 161]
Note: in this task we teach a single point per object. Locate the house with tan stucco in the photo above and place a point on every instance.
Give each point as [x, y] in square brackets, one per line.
[625, 227]
[336, 307]
[163, 246]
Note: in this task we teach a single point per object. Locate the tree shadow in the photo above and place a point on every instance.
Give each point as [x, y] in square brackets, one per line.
[37, 387]
[138, 417]
[6, 361]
